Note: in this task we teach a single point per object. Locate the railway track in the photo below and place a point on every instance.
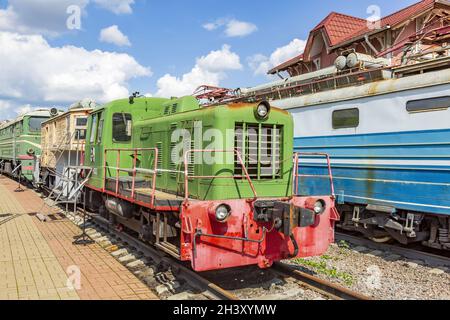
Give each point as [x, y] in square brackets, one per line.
[164, 262]
[143, 257]
[324, 287]
[430, 259]
[106, 235]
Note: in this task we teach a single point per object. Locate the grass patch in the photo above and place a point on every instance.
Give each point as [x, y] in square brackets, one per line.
[321, 267]
[343, 244]
[344, 247]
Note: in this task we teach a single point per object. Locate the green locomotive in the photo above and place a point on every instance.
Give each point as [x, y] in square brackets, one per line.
[213, 185]
[20, 144]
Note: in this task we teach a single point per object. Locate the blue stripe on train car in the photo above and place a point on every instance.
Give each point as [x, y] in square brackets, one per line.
[405, 170]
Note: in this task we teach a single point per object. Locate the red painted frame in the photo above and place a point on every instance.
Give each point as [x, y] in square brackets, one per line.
[134, 171]
[297, 175]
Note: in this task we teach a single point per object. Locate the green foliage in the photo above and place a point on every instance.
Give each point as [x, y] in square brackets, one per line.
[343, 244]
[322, 268]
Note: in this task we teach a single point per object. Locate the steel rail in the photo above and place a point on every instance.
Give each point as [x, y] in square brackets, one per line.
[429, 258]
[191, 277]
[324, 287]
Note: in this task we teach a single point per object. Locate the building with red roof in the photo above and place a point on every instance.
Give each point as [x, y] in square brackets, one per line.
[385, 38]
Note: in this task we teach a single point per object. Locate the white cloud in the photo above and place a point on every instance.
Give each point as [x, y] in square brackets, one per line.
[233, 27]
[220, 60]
[261, 64]
[24, 109]
[237, 28]
[113, 35]
[38, 17]
[116, 6]
[35, 72]
[9, 109]
[4, 106]
[211, 26]
[209, 69]
[50, 17]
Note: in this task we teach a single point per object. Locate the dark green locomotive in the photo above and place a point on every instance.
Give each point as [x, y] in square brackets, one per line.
[20, 144]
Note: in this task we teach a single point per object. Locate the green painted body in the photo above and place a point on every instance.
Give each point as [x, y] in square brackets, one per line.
[17, 139]
[153, 123]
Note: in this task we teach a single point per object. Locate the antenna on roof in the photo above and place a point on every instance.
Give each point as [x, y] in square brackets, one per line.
[135, 95]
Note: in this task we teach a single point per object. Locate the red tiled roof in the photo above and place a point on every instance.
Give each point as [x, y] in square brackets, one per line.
[336, 25]
[340, 28]
[406, 13]
[394, 18]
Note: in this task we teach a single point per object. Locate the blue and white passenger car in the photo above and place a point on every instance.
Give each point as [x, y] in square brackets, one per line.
[389, 142]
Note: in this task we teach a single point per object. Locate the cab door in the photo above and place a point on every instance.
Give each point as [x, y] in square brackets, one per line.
[95, 149]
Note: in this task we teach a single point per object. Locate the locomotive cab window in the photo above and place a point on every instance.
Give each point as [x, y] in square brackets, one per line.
[122, 127]
[93, 128]
[100, 128]
[428, 105]
[345, 119]
[34, 124]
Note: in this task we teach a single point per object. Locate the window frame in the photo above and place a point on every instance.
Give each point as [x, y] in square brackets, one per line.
[94, 126]
[130, 137]
[85, 120]
[81, 128]
[348, 126]
[29, 124]
[425, 110]
[101, 124]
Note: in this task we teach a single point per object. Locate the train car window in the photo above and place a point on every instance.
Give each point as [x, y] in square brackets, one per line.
[80, 134]
[94, 127]
[100, 130]
[122, 127]
[80, 128]
[81, 122]
[428, 105]
[347, 118]
[34, 124]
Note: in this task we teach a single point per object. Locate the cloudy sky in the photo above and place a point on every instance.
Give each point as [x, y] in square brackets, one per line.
[55, 52]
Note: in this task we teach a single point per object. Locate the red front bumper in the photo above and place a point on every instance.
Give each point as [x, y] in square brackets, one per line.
[241, 240]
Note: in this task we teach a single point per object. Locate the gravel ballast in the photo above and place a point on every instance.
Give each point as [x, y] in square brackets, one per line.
[378, 274]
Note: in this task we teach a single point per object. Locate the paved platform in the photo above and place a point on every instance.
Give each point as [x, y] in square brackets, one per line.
[38, 260]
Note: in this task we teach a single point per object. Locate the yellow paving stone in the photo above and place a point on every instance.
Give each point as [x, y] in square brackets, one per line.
[28, 267]
[32, 256]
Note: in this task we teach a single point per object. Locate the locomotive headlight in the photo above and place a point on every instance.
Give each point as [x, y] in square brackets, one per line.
[262, 110]
[319, 207]
[223, 212]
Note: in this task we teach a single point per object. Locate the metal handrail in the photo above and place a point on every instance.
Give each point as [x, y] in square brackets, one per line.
[296, 168]
[134, 170]
[187, 177]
